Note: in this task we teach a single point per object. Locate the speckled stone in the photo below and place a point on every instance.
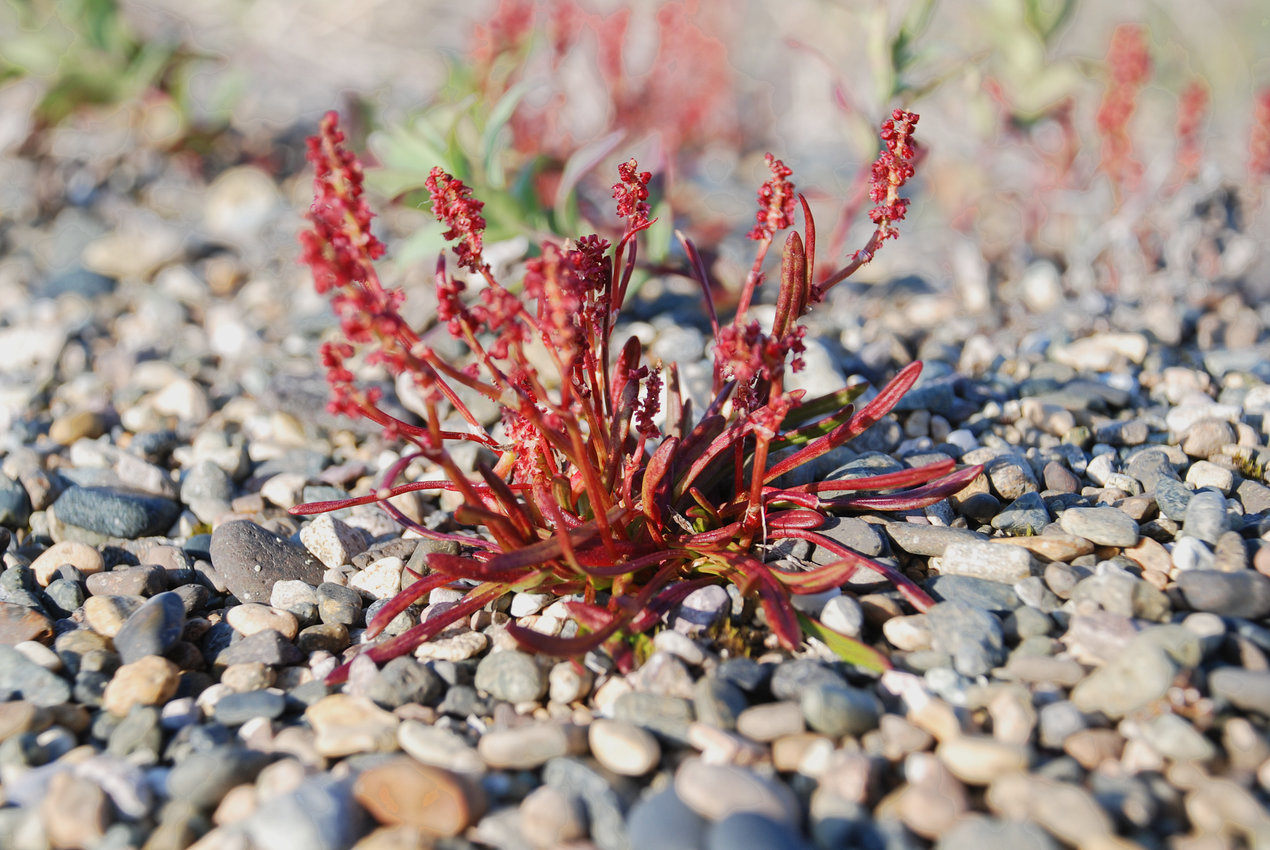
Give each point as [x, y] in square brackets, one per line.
[251, 560]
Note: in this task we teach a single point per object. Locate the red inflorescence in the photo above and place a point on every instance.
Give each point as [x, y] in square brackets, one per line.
[454, 206]
[891, 171]
[1130, 66]
[631, 193]
[776, 201]
[1259, 139]
[1190, 119]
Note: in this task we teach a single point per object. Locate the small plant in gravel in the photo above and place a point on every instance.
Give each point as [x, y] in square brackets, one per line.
[604, 486]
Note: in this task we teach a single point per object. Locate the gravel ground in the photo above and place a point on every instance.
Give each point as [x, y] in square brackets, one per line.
[1095, 675]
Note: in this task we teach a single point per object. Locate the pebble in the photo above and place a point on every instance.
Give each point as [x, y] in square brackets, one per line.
[401, 791]
[771, 720]
[320, 814]
[76, 812]
[109, 512]
[238, 708]
[701, 610]
[439, 747]
[345, 724]
[624, 748]
[751, 829]
[839, 710]
[1101, 526]
[988, 833]
[268, 647]
[331, 541]
[337, 604]
[1026, 515]
[979, 761]
[984, 594]
[661, 819]
[972, 636]
[147, 681]
[512, 676]
[984, 560]
[19, 623]
[1137, 676]
[152, 629]
[81, 556]
[143, 580]
[251, 560]
[929, 540]
[603, 804]
[1242, 594]
[715, 791]
[550, 818]
[1248, 690]
[1206, 516]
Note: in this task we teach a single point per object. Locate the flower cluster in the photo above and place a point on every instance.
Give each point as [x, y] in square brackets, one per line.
[1190, 120]
[454, 206]
[1259, 139]
[598, 493]
[776, 201]
[631, 193]
[891, 171]
[1129, 64]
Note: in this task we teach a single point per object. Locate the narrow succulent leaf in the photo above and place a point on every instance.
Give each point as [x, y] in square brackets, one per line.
[406, 597]
[550, 548]
[886, 399]
[458, 567]
[824, 405]
[848, 649]
[814, 449]
[703, 278]
[917, 597]
[653, 491]
[884, 481]
[908, 500]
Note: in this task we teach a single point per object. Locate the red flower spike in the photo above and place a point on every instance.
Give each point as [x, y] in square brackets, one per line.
[1259, 140]
[776, 200]
[631, 193]
[893, 168]
[454, 206]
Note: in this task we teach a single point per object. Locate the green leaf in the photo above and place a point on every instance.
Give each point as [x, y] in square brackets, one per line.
[848, 649]
[494, 125]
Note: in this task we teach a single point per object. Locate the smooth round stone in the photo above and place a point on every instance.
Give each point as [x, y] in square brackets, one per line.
[604, 806]
[989, 833]
[1139, 675]
[252, 617]
[512, 676]
[1102, 526]
[972, 636]
[1247, 690]
[434, 800]
[623, 748]
[701, 610]
[527, 604]
[19, 623]
[456, 647]
[440, 747]
[15, 504]
[143, 580]
[1173, 737]
[981, 593]
[1173, 498]
[1191, 553]
[852, 532]
[81, 556]
[908, 633]
[264, 647]
[978, 761]
[984, 560]
[680, 646]
[770, 720]
[750, 829]
[1067, 811]
[345, 724]
[203, 777]
[75, 811]
[339, 604]
[791, 678]
[716, 791]
[320, 814]
[207, 489]
[746, 673]
[1026, 515]
[718, 702]
[251, 560]
[844, 615]
[1206, 516]
[1059, 478]
[323, 637]
[113, 512]
[1204, 474]
[1243, 594]
[403, 681]
[296, 597]
[664, 715]
[1206, 437]
[153, 629]
[63, 597]
[527, 747]
[551, 818]
[569, 682]
[29, 681]
[1123, 594]
[928, 540]
[663, 821]
[839, 710]
[236, 709]
[148, 681]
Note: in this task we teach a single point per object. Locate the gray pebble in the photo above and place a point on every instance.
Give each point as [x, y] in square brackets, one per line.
[1206, 516]
[251, 560]
[980, 593]
[338, 604]
[793, 677]
[153, 629]
[1025, 516]
[971, 635]
[1102, 526]
[930, 540]
[750, 829]
[989, 833]
[237, 709]
[605, 806]
[512, 676]
[1248, 690]
[267, 646]
[320, 814]
[114, 512]
[203, 777]
[701, 610]
[1243, 594]
[838, 710]
[1172, 497]
[23, 678]
[718, 702]
[662, 820]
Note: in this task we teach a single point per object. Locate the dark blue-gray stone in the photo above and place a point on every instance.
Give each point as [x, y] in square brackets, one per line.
[1206, 516]
[744, 830]
[971, 635]
[1172, 498]
[1024, 517]
[78, 281]
[746, 673]
[338, 604]
[982, 593]
[1243, 594]
[251, 560]
[152, 629]
[404, 680]
[838, 710]
[1150, 467]
[204, 775]
[15, 504]
[601, 797]
[664, 821]
[989, 833]
[793, 677]
[718, 701]
[321, 814]
[237, 709]
[267, 646]
[21, 677]
[115, 511]
[63, 597]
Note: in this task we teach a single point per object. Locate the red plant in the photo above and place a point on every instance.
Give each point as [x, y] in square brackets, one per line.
[1191, 108]
[1129, 64]
[1259, 140]
[598, 493]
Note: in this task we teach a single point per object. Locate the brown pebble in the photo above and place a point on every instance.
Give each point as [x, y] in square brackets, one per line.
[1092, 747]
[1060, 478]
[550, 818]
[81, 556]
[75, 425]
[395, 838]
[149, 681]
[19, 717]
[75, 812]
[403, 791]
[19, 623]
